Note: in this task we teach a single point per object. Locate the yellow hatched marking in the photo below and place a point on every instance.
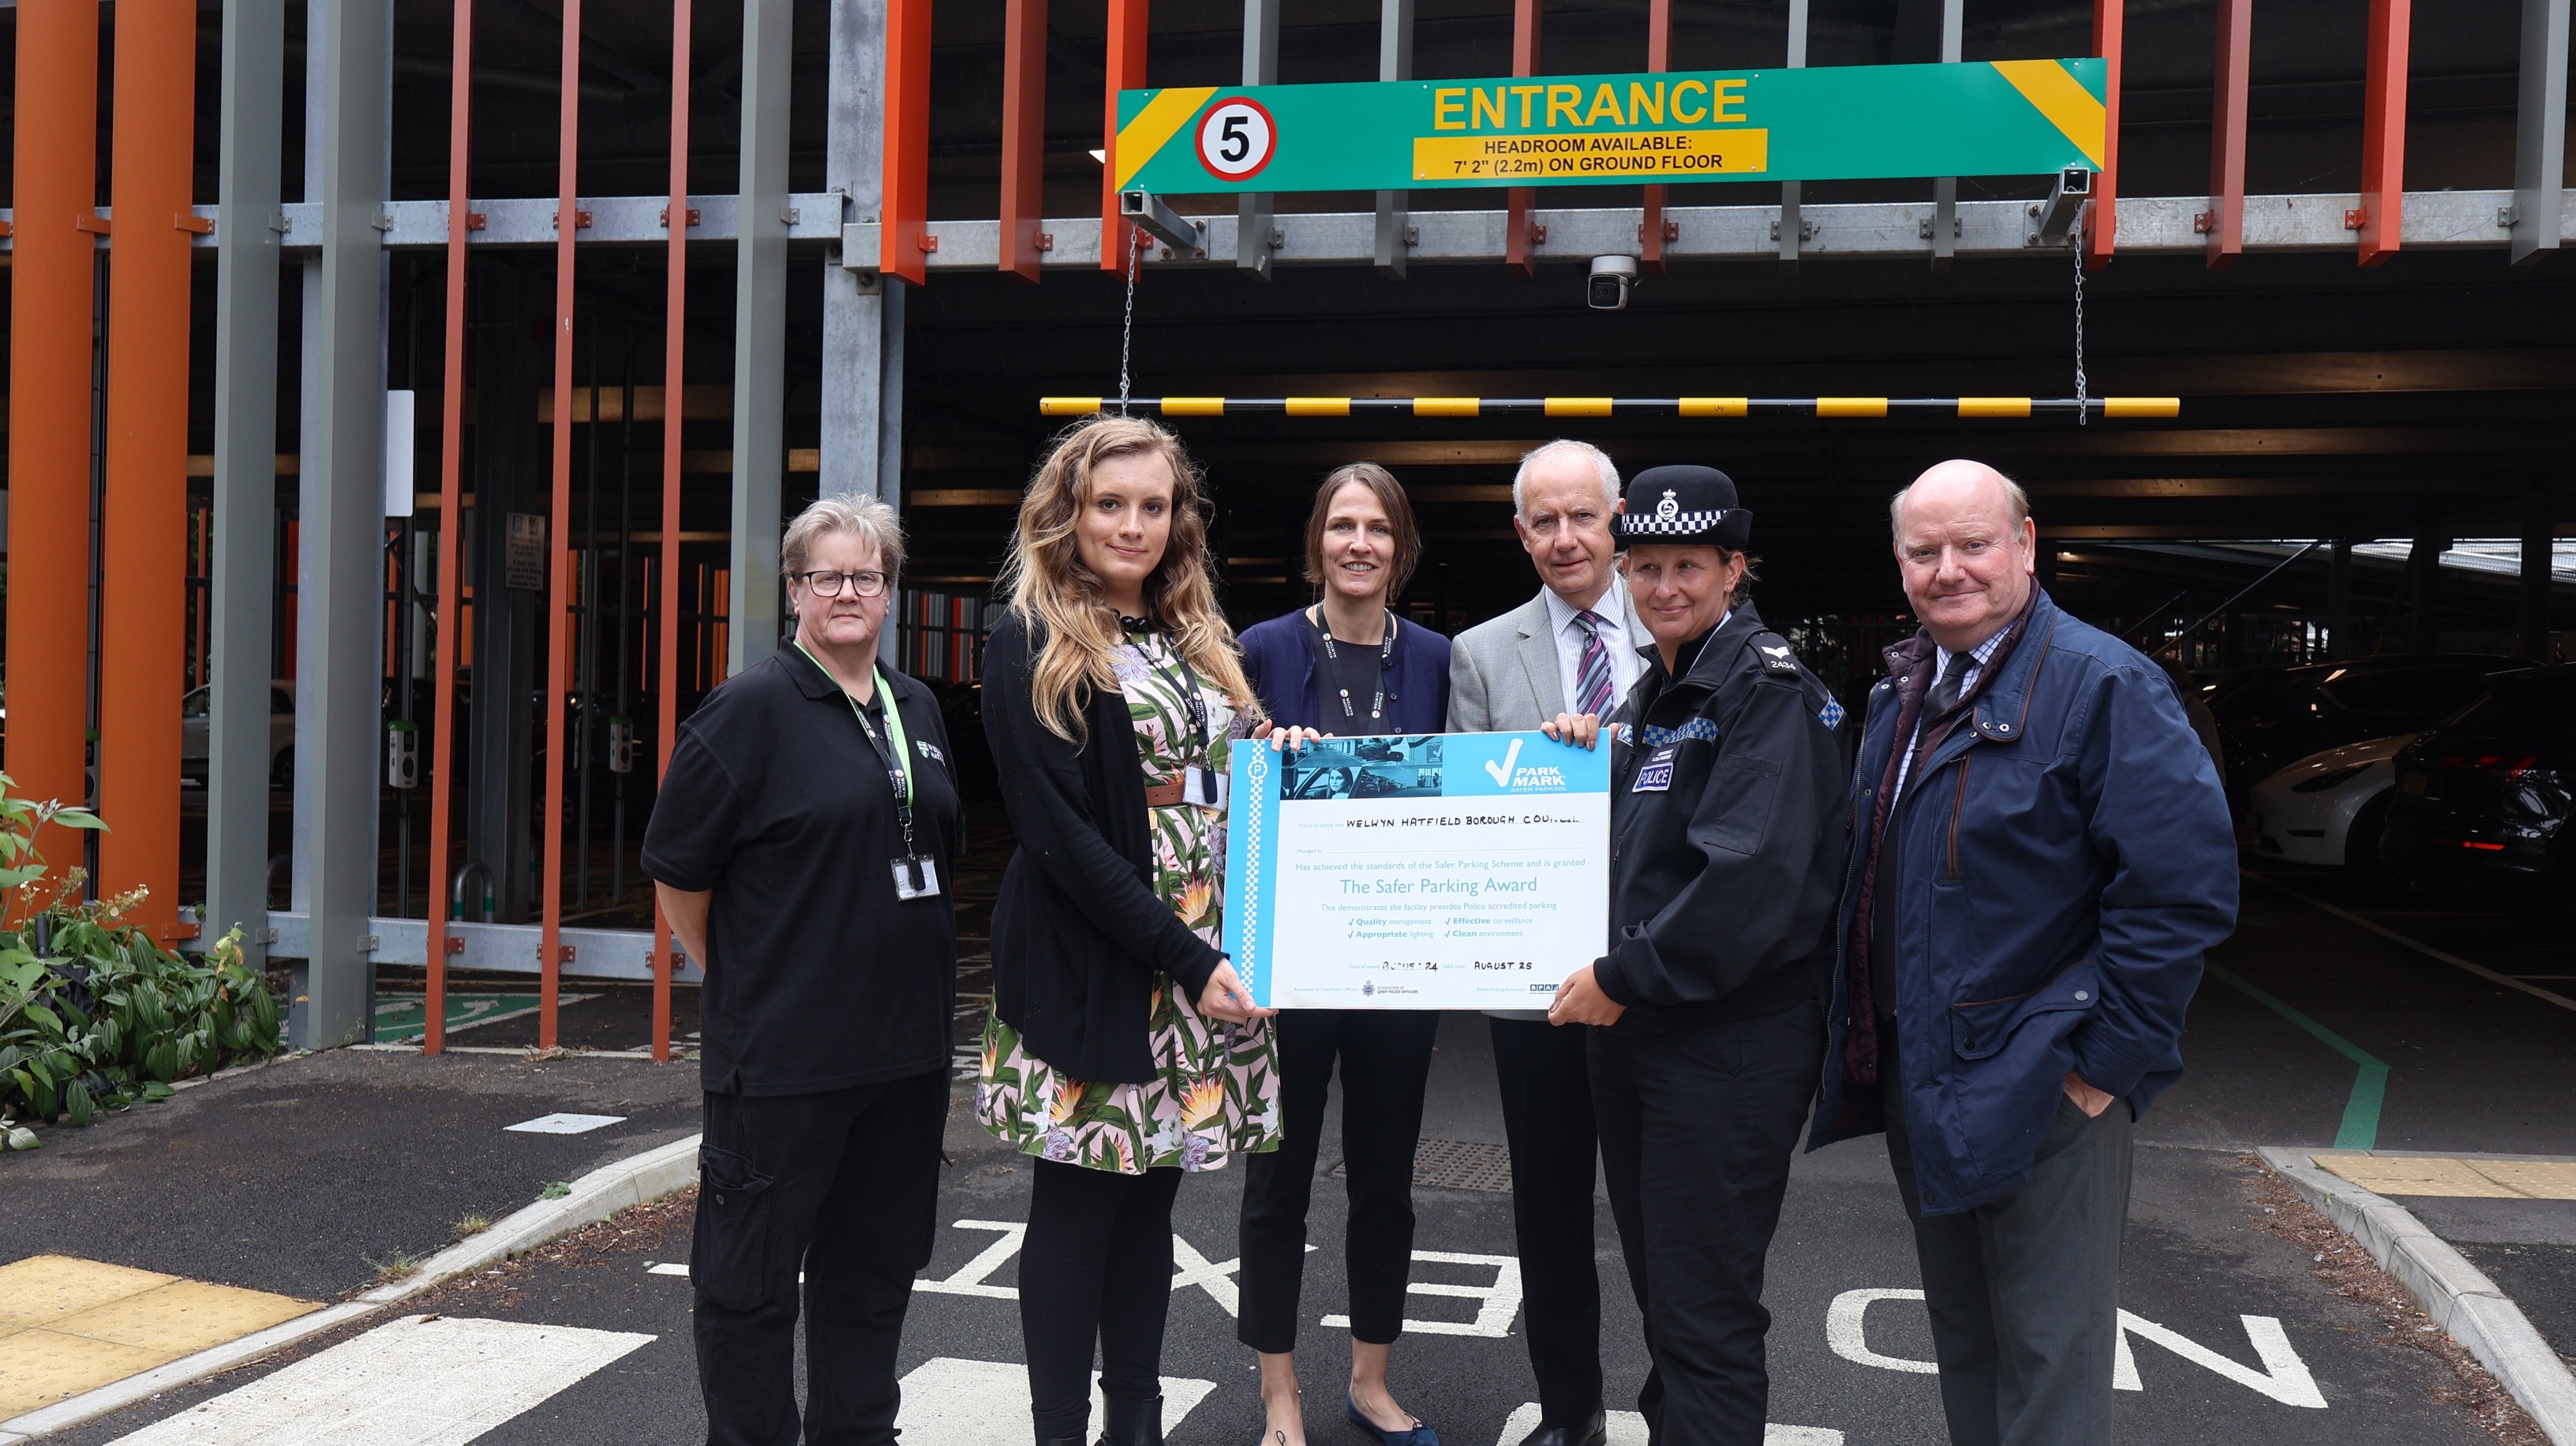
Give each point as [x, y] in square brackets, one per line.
[2056, 94]
[1445, 406]
[1319, 406]
[1578, 406]
[2539, 1179]
[1851, 406]
[1716, 406]
[2142, 406]
[1067, 406]
[1994, 406]
[1161, 119]
[68, 1325]
[2457, 1178]
[1194, 406]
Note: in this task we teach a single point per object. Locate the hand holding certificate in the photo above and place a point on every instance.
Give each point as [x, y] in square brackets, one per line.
[1449, 871]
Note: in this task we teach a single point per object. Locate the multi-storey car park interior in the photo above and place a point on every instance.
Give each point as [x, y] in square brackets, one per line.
[428, 684]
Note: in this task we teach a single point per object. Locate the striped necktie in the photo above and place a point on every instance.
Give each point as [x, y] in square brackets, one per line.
[1592, 674]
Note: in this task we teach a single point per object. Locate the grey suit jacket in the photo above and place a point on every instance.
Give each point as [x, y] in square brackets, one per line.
[1502, 673]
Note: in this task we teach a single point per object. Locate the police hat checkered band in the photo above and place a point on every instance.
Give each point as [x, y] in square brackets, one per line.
[1670, 524]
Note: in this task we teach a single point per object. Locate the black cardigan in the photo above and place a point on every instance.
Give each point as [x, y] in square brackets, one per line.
[1078, 933]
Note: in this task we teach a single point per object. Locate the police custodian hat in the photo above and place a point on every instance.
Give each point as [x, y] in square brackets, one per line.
[1684, 504]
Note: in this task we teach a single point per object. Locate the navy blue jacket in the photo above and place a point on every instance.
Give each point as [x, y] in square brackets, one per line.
[2064, 859]
[1280, 657]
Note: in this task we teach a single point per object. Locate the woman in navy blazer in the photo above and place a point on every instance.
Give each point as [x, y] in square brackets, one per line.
[1347, 667]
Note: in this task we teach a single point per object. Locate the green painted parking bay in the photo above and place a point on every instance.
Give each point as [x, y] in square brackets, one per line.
[404, 1018]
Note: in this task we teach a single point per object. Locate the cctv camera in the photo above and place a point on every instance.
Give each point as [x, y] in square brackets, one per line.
[1607, 289]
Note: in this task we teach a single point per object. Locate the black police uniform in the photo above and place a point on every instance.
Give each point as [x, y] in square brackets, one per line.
[825, 1020]
[1729, 817]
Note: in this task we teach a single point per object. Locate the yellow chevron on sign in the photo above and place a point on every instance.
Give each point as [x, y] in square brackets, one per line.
[1160, 120]
[2054, 92]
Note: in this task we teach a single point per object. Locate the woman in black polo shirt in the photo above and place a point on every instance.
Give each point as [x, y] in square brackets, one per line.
[802, 845]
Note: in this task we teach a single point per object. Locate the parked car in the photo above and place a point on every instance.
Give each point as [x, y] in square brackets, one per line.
[2328, 807]
[2270, 722]
[281, 736]
[2481, 802]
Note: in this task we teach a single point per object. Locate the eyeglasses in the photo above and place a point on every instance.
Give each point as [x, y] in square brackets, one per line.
[829, 584]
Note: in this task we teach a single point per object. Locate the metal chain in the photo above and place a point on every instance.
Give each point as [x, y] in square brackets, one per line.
[2081, 407]
[1127, 330]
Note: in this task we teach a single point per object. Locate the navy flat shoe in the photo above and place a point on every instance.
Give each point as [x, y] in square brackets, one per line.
[1420, 1435]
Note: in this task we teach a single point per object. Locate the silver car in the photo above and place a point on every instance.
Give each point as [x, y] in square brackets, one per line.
[2327, 807]
[281, 736]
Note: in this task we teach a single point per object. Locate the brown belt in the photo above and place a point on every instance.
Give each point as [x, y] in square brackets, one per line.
[1168, 795]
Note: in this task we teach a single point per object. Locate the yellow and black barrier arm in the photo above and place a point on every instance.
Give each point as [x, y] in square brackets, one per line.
[1989, 407]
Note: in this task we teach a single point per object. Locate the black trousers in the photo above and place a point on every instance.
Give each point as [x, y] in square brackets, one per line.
[1546, 1083]
[1696, 1132]
[1095, 1267]
[1386, 1063]
[2024, 1291]
[844, 1186]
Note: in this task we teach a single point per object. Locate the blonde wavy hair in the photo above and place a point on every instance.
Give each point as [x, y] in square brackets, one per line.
[1051, 589]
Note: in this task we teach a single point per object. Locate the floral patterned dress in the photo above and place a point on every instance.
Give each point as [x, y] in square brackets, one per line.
[1215, 1091]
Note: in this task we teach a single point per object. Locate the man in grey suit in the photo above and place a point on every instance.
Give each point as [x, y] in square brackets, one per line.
[1571, 649]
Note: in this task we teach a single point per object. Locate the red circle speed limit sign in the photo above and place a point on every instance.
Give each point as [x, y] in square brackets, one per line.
[1236, 139]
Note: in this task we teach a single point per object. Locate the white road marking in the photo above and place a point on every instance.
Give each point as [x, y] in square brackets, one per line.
[418, 1381]
[2284, 1376]
[1627, 1428]
[953, 1402]
[565, 1124]
[1496, 1304]
[969, 1278]
[1847, 1331]
[1189, 1268]
[679, 1268]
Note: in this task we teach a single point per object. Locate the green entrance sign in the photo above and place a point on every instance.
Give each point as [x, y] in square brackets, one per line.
[1991, 118]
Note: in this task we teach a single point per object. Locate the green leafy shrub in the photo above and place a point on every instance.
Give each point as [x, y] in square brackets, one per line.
[93, 1014]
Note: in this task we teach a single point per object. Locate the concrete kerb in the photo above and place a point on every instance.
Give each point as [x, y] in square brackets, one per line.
[2457, 1295]
[635, 1180]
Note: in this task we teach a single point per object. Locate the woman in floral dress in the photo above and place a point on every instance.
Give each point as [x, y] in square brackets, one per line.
[1123, 1050]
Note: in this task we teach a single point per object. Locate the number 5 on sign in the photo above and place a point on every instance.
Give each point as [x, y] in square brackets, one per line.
[1236, 139]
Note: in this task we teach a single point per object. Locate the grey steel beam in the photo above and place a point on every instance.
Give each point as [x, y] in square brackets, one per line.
[1944, 229]
[760, 334]
[1394, 62]
[1789, 230]
[1873, 231]
[854, 319]
[495, 948]
[1260, 67]
[343, 521]
[2540, 131]
[246, 293]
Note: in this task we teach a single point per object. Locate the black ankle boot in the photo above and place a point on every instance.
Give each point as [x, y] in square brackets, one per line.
[1059, 1441]
[1133, 1423]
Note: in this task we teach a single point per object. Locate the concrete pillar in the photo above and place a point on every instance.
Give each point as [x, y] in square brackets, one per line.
[854, 323]
[246, 296]
[2424, 584]
[2340, 642]
[760, 335]
[2539, 549]
[509, 481]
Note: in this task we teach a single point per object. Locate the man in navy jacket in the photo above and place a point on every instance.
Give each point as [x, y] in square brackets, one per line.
[2040, 855]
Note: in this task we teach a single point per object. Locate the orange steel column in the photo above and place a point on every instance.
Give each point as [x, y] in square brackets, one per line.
[1126, 71]
[143, 585]
[903, 240]
[2383, 131]
[1516, 211]
[675, 335]
[559, 578]
[51, 289]
[1659, 58]
[2231, 90]
[1024, 31]
[451, 520]
[2099, 228]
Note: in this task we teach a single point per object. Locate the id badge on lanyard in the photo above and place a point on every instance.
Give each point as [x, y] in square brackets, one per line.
[916, 874]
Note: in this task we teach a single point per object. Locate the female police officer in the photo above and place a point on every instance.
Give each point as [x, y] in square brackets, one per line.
[801, 850]
[1728, 821]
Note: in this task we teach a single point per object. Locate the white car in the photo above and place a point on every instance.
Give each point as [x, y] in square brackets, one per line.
[2327, 807]
[281, 736]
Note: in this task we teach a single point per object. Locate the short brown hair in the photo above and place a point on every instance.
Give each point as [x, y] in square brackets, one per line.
[1399, 518]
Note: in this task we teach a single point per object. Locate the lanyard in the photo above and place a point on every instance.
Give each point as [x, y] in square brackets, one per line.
[1333, 656]
[1187, 685]
[897, 772]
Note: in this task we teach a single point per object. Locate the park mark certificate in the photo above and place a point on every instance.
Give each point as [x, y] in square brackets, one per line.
[1446, 871]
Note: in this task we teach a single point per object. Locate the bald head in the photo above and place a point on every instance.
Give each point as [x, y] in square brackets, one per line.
[1966, 548]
